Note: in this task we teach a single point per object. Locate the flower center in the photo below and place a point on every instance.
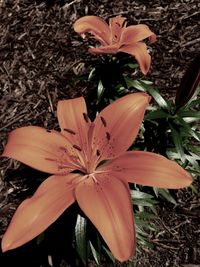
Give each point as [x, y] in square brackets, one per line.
[83, 150]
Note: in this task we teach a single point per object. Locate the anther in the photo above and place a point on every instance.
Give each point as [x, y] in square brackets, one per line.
[85, 116]
[98, 152]
[77, 147]
[108, 136]
[103, 121]
[69, 131]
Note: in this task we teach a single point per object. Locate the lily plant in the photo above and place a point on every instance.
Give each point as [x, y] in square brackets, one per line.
[90, 164]
[116, 37]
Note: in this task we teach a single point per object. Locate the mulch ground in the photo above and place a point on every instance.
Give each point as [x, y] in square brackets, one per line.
[41, 58]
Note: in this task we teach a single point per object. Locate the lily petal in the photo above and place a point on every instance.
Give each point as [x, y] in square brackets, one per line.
[94, 25]
[35, 214]
[107, 204]
[116, 25]
[107, 49]
[136, 33]
[118, 124]
[139, 51]
[148, 169]
[74, 122]
[33, 146]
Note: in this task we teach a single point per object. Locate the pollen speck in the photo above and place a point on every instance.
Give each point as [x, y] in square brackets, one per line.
[98, 152]
[108, 136]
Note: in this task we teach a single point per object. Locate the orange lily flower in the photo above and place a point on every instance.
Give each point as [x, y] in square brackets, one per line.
[101, 190]
[116, 37]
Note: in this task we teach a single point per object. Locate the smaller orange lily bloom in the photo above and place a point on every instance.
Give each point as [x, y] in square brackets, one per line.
[116, 37]
[74, 157]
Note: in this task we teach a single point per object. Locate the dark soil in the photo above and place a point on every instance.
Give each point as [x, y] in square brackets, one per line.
[40, 59]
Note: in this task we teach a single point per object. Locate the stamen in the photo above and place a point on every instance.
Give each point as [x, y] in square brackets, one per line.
[98, 153]
[108, 136]
[48, 131]
[69, 131]
[103, 121]
[94, 178]
[86, 118]
[77, 147]
[78, 179]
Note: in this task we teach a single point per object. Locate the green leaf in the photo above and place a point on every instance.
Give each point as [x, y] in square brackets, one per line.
[158, 98]
[144, 203]
[145, 215]
[80, 238]
[132, 66]
[155, 94]
[110, 255]
[91, 74]
[100, 90]
[194, 189]
[146, 82]
[157, 114]
[193, 159]
[189, 130]
[155, 189]
[140, 195]
[40, 238]
[193, 103]
[195, 149]
[95, 253]
[177, 141]
[133, 83]
[166, 194]
[189, 114]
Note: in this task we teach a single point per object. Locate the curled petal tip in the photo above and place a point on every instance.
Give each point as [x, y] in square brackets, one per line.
[153, 38]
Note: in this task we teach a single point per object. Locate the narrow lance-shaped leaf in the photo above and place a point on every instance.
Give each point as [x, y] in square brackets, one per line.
[178, 143]
[95, 254]
[80, 236]
[189, 83]
[100, 90]
[166, 194]
[154, 93]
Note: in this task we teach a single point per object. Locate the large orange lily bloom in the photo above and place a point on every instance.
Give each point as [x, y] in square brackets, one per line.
[116, 37]
[90, 165]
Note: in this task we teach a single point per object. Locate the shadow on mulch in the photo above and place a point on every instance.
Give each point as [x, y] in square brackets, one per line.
[51, 250]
